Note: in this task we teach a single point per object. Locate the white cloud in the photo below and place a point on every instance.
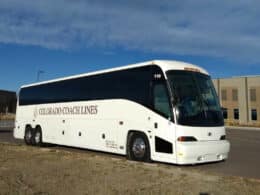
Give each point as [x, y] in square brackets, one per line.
[228, 29]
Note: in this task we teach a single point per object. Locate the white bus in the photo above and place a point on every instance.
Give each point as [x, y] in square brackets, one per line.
[165, 111]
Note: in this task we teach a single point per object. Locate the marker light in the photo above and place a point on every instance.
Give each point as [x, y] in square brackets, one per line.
[192, 69]
[187, 139]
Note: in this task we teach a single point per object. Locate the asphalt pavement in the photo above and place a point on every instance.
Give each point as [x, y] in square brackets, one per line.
[244, 158]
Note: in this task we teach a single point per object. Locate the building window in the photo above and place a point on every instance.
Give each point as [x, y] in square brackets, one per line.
[225, 113]
[224, 94]
[236, 113]
[234, 94]
[253, 95]
[253, 114]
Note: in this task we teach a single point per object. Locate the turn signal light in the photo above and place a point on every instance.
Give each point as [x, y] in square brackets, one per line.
[187, 139]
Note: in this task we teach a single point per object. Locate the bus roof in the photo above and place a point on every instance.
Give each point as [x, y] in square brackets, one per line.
[165, 65]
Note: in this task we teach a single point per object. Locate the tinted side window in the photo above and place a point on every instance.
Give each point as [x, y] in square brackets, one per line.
[132, 84]
[161, 100]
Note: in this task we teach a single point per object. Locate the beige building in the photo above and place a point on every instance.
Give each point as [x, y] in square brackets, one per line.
[240, 99]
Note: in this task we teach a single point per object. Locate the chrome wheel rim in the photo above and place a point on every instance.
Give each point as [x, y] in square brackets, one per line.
[139, 147]
[28, 135]
[37, 137]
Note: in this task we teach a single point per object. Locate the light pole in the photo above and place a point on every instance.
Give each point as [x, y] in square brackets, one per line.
[38, 74]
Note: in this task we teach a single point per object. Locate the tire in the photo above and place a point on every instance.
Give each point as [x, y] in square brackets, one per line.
[37, 137]
[28, 135]
[138, 148]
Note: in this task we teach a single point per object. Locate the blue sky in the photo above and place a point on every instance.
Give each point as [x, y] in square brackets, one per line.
[65, 37]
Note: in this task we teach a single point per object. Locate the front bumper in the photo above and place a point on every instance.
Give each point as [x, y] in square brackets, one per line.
[202, 151]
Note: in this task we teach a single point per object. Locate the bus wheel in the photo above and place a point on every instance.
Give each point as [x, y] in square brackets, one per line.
[28, 135]
[138, 148]
[37, 136]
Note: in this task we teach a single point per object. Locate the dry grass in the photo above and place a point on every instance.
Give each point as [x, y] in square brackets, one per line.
[29, 170]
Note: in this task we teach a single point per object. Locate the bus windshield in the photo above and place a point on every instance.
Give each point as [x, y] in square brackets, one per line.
[195, 99]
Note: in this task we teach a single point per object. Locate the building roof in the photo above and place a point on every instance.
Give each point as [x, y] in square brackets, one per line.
[235, 77]
[7, 92]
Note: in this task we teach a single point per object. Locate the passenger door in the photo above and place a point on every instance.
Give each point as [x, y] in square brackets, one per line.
[163, 123]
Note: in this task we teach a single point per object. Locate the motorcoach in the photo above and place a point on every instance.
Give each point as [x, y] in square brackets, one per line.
[159, 110]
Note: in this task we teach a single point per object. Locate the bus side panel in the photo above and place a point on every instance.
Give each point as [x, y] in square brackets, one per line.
[129, 116]
[54, 129]
[163, 139]
[24, 116]
[104, 130]
[93, 133]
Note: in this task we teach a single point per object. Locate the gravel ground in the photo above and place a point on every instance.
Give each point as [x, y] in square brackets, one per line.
[38, 171]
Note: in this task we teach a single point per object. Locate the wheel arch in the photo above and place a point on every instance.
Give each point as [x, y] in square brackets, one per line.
[137, 131]
[27, 126]
[140, 132]
[38, 126]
